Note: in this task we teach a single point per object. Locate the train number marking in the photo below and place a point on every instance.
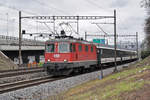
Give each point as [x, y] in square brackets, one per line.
[56, 55]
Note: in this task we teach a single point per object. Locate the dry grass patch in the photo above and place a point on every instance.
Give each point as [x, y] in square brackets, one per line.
[111, 87]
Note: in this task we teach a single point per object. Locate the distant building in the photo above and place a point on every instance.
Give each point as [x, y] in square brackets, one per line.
[127, 45]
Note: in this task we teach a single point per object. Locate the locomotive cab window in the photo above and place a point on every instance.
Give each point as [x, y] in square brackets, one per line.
[63, 47]
[50, 48]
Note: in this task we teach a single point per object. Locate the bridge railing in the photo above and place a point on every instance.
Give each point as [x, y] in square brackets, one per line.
[9, 40]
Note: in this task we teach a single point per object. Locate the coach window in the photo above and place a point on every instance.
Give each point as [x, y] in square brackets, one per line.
[91, 48]
[80, 47]
[86, 48]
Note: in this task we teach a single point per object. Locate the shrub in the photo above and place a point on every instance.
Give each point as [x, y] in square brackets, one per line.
[145, 54]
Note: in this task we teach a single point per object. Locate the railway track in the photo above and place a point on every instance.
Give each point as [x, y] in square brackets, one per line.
[32, 82]
[22, 71]
[26, 83]
[19, 69]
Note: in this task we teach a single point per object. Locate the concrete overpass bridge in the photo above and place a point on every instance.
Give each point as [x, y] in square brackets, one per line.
[32, 50]
[8, 43]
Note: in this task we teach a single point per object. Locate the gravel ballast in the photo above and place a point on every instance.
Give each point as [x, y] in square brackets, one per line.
[41, 92]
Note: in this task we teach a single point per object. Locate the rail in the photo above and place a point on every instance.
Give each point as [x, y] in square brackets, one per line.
[26, 83]
[12, 73]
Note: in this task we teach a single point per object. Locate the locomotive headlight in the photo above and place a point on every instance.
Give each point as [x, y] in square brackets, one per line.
[48, 60]
[65, 60]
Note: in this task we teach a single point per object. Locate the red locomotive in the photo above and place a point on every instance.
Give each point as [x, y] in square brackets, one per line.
[65, 55]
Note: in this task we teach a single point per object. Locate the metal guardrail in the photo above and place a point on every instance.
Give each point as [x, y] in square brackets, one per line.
[9, 40]
[12, 38]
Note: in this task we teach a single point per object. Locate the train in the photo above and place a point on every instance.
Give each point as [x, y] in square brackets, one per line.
[65, 55]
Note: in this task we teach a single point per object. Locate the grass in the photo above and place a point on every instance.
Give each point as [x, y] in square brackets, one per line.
[110, 91]
[110, 87]
[119, 88]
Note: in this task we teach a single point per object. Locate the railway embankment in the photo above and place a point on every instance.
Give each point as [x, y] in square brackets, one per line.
[6, 63]
[131, 83]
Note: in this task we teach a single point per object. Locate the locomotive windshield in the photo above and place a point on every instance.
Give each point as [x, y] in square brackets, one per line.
[50, 47]
[63, 47]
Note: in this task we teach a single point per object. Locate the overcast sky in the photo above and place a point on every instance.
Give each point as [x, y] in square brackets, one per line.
[130, 16]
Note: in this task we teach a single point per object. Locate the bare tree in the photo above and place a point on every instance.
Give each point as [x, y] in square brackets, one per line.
[146, 5]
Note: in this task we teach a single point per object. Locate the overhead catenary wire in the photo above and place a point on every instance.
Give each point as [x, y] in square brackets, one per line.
[91, 2]
[73, 30]
[50, 7]
[102, 29]
[16, 9]
[96, 5]
[2, 19]
[49, 28]
[45, 23]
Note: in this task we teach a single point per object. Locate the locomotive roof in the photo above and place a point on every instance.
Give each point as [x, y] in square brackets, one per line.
[70, 40]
